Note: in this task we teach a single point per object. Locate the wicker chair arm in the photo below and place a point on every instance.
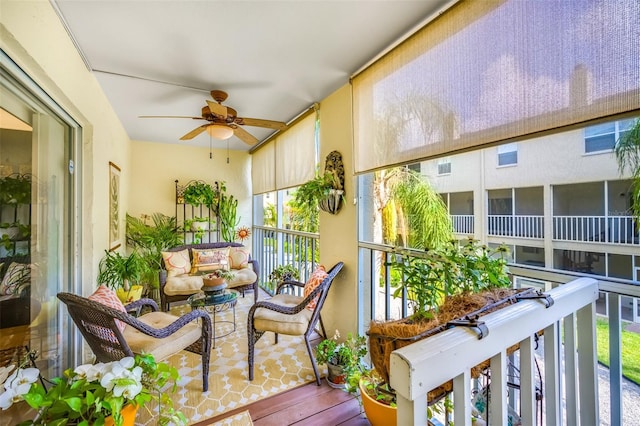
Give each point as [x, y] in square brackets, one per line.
[289, 283]
[289, 310]
[256, 266]
[140, 303]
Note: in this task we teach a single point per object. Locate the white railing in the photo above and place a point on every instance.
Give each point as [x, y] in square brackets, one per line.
[569, 355]
[598, 229]
[521, 226]
[273, 247]
[463, 223]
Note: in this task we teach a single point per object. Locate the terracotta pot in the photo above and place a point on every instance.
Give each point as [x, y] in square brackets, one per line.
[378, 414]
[128, 412]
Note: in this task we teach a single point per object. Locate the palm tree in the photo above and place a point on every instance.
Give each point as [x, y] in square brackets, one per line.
[627, 152]
[412, 213]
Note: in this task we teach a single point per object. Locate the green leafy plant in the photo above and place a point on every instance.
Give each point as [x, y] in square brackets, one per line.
[200, 193]
[346, 354]
[15, 189]
[310, 192]
[118, 271]
[89, 393]
[449, 270]
[228, 213]
[281, 273]
[150, 240]
[221, 273]
[627, 151]
[284, 272]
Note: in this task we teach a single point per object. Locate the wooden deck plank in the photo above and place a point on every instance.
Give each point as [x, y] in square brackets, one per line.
[333, 415]
[304, 408]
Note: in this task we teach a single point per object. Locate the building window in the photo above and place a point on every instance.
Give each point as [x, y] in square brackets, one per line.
[415, 167]
[444, 166]
[603, 137]
[507, 154]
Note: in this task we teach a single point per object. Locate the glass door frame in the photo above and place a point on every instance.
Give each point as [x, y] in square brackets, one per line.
[14, 79]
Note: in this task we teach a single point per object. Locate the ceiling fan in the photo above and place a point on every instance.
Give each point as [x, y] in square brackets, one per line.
[223, 121]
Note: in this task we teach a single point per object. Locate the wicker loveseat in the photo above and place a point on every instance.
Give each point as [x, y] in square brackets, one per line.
[178, 287]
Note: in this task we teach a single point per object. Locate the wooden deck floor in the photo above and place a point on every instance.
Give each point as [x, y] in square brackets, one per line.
[306, 405]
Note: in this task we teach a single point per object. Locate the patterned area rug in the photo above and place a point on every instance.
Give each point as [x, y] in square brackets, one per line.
[240, 419]
[277, 368]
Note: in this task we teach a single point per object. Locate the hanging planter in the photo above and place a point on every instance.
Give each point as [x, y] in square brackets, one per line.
[326, 190]
[332, 203]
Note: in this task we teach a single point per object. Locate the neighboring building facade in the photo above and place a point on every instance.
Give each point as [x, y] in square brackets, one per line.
[568, 207]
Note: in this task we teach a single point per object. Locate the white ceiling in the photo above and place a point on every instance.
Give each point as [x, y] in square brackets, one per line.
[274, 58]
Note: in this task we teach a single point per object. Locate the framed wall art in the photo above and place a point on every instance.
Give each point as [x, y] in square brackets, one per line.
[114, 207]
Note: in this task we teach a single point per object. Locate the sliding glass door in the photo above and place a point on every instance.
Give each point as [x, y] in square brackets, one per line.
[37, 227]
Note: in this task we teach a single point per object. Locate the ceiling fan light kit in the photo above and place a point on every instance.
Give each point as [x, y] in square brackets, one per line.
[219, 132]
[223, 121]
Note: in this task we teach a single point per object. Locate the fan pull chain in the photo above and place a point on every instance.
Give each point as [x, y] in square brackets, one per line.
[210, 149]
[227, 151]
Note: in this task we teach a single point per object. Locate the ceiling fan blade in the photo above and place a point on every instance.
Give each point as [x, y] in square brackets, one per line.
[195, 132]
[169, 116]
[217, 109]
[245, 136]
[275, 125]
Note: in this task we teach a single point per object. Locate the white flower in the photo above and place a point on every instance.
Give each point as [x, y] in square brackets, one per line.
[122, 379]
[16, 385]
[4, 373]
[8, 397]
[91, 372]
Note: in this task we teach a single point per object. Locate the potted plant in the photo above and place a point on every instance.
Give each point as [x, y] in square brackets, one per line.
[228, 213]
[102, 393]
[217, 277]
[444, 284]
[123, 274]
[324, 191]
[150, 240]
[377, 398]
[199, 193]
[340, 357]
[15, 189]
[282, 273]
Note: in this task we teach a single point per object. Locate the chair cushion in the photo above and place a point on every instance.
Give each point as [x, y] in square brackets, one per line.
[239, 257]
[18, 276]
[293, 325]
[183, 285]
[241, 277]
[209, 259]
[314, 281]
[176, 262]
[108, 297]
[161, 348]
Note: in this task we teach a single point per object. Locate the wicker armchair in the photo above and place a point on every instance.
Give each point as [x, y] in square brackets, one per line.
[288, 314]
[157, 333]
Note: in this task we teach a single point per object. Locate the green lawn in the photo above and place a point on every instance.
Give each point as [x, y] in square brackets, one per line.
[630, 350]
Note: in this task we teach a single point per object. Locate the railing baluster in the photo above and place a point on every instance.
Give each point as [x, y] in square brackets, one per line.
[552, 395]
[498, 390]
[588, 365]
[527, 382]
[570, 366]
[461, 403]
[615, 359]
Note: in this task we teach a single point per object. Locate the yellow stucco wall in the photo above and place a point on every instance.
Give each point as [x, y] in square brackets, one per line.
[156, 166]
[338, 241]
[32, 35]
